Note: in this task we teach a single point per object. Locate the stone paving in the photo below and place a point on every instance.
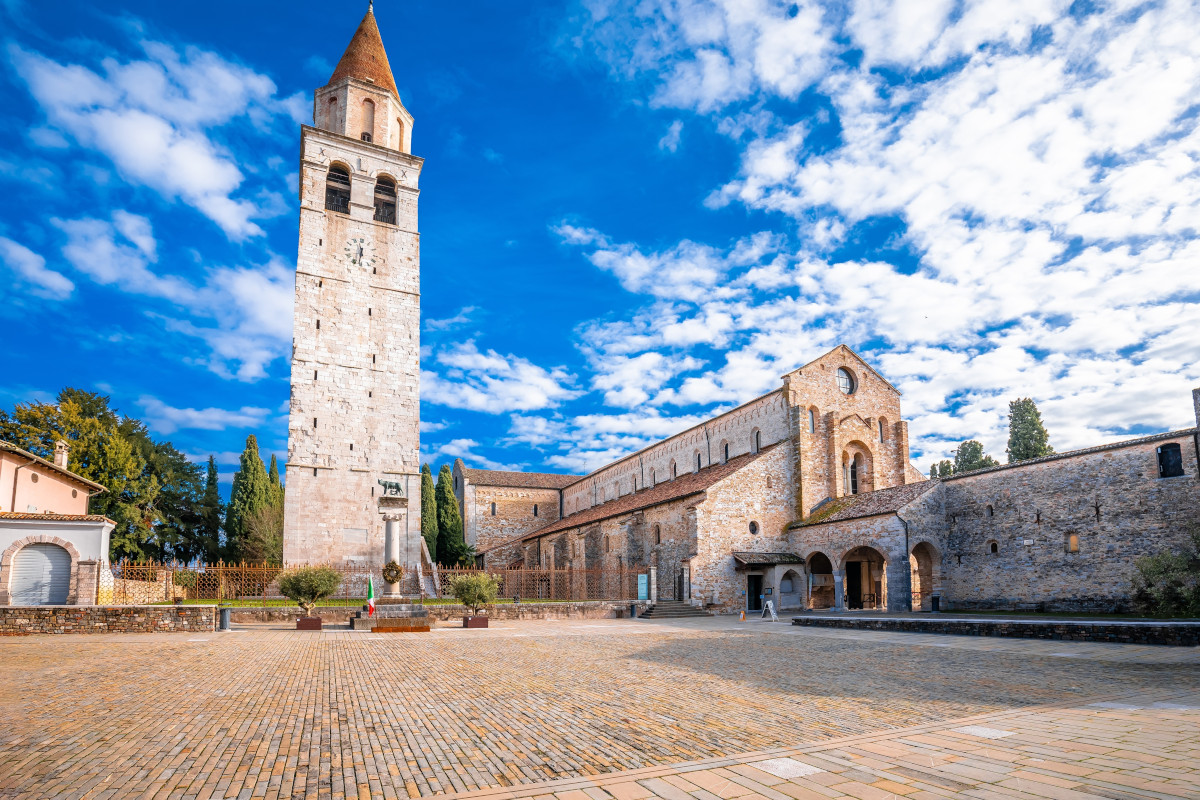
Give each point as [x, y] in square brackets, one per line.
[275, 713]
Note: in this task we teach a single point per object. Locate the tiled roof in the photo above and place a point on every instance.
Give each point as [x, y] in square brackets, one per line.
[1081, 452]
[766, 559]
[526, 480]
[684, 486]
[12, 448]
[365, 58]
[868, 504]
[55, 517]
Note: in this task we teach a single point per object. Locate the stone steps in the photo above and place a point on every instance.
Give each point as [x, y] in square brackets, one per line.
[673, 609]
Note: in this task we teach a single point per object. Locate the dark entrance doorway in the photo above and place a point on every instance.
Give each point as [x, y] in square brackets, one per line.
[854, 598]
[754, 590]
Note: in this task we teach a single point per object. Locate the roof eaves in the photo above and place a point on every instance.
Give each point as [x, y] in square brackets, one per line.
[12, 448]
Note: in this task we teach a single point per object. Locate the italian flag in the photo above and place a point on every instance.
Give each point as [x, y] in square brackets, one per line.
[370, 596]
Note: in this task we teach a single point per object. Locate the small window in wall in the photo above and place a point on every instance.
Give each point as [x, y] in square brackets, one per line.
[753, 528]
[368, 120]
[697, 462]
[812, 421]
[657, 535]
[607, 545]
[385, 200]
[493, 509]
[33, 476]
[726, 453]
[991, 512]
[74, 493]
[1071, 542]
[535, 509]
[993, 548]
[845, 381]
[674, 471]
[314, 422]
[314, 472]
[337, 190]
[1170, 461]
[757, 441]
[881, 430]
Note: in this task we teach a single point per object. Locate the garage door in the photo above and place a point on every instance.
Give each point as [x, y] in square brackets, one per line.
[41, 575]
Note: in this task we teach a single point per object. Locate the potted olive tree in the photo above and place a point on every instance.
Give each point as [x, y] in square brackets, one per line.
[475, 591]
[307, 586]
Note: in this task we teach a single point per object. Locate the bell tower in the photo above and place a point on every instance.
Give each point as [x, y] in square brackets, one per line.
[355, 395]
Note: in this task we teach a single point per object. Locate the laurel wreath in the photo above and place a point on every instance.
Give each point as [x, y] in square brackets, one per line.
[392, 572]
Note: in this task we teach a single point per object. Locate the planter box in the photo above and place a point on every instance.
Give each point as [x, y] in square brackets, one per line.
[475, 622]
[308, 623]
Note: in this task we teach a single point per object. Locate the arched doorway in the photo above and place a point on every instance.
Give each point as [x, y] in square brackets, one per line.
[866, 578]
[820, 581]
[41, 575]
[791, 590]
[922, 562]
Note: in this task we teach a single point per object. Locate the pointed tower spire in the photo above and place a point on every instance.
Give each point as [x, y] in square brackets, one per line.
[365, 58]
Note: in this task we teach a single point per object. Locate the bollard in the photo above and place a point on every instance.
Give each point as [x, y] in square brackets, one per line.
[225, 611]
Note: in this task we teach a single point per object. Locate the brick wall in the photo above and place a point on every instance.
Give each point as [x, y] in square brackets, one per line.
[19, 620]
[1035, 508]
[514, 512]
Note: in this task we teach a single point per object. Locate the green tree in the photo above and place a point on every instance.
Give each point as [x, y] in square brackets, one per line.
[1027, 436]
[429, 518]
[1168, 584]
[309, 585]
[276, 483]
[475, 591]
[251, 492]
[942, 469]
[450, 545]
[211, 509]
[970, 456]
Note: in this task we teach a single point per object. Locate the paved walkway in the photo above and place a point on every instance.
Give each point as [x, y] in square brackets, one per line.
[275, 713]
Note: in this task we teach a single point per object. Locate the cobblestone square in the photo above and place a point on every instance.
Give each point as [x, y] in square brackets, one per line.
[276, 713]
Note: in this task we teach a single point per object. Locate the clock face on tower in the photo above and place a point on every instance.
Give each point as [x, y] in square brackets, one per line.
[360, 252]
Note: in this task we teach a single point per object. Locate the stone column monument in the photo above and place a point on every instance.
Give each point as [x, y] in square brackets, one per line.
[397, 539]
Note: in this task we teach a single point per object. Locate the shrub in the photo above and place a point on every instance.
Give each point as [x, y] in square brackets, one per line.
[309, 585]
[1168, 584]
[475, 590]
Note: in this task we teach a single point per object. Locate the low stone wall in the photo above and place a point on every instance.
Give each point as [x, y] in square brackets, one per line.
[1178, 634]
[332, 615]
[24, 620]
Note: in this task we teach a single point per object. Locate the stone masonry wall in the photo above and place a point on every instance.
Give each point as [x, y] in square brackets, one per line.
[759, 492]
[652, 466]
[1111, 499]
[355, 409]
[845, 425]
[514, 512]
[22, 620]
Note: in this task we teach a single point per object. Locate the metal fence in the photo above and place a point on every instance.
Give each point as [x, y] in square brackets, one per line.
[130, 582]
[557, 584]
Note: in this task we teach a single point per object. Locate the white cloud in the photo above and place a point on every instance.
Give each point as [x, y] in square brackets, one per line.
[31, 271]
[464, 316]
[166, 419]
[471, 379]
[466, 450]
[157, 119]
[670, 140]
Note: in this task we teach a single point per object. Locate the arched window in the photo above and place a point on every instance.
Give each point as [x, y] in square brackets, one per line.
[812, 421]
[881, 429]
[493, 509]
[385, 200]
[725, 452]
[991, 512]
[674, 470]
[337, 189]
[399, 134]
[697, 462]
[657, 535]
[845, 381]
[757, 441]
[854, 476]
[535, 509]
[993, 548]
[368, 120]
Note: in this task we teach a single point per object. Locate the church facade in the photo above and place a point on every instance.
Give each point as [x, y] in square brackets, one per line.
[355, 388]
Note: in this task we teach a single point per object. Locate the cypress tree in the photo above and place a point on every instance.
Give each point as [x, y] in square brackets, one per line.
[210, 514]
[1027, 436]
[276, 483]
[970, 456]
[251, 493]
[450, 545]
[942, 469]
[429, 518]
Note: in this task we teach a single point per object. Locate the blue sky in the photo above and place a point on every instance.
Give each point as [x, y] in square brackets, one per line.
[633, 214]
